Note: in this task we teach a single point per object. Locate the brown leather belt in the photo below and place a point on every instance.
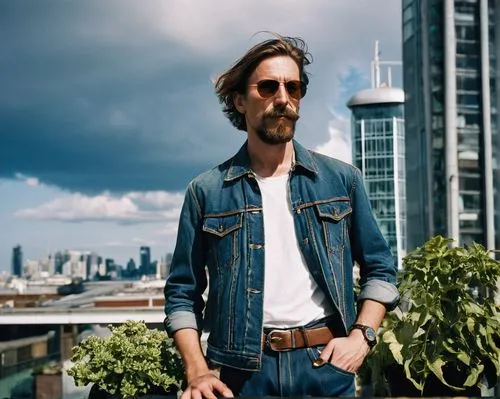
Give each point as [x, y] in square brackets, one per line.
[294, 338]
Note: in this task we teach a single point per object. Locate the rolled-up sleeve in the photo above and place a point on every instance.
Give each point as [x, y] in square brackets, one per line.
[187, 279]
[380, 291]
[371, 250]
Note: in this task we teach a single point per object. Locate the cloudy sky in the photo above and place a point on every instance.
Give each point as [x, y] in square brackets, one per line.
[107, 109]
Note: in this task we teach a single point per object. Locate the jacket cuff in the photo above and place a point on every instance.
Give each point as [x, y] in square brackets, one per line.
[179, 320]
[380, 291]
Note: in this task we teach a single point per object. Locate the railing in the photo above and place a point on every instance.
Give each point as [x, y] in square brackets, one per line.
[6, 371]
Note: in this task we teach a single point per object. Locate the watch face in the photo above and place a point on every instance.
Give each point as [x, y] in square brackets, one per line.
[370, 334]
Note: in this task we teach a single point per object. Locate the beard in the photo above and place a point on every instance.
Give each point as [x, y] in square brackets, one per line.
[278, 126]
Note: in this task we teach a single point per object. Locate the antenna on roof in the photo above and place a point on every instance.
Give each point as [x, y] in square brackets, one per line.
[375, 68]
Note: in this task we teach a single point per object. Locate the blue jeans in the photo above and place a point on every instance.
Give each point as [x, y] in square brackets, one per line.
[290, 373]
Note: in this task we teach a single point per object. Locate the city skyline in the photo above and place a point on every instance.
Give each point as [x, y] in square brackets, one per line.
[122, 261]
[85, 266]
[107, 110]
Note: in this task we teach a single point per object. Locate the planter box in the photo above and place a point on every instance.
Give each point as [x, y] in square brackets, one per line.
[48, 386]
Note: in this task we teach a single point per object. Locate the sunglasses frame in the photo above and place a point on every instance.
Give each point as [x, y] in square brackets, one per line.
[302, 88]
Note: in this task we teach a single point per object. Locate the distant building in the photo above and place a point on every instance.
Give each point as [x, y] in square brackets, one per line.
[379, 152]
[131, 269]
[109, 265]
[88, 266]
[145, 254]
[17, 261]
[51, 265]
[451, 53]
[168, 261]
[58, 262]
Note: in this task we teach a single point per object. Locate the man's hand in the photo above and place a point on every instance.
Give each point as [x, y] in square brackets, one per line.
[206, 386]
[346, 353]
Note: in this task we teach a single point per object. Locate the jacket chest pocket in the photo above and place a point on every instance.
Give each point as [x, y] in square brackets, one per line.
[223, 237]
[334, 220]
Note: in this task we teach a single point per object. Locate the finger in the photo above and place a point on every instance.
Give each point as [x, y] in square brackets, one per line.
[346, 363]
[206, 392]
[186, 394]
[325, 355]
[197, 394]
[223, 389]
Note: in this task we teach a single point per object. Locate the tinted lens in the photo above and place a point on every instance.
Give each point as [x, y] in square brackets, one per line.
[294, 89]
[268, 88]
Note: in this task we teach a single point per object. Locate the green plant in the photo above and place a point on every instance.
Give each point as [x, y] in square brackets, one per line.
[131, 361]
[48, 368]
[451, 327]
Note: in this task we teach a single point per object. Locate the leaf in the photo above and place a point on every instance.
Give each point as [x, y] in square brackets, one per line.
[394, 346]
[464, 358]
[473, 376]
[482, 330]
[470, 324]
[472, 308]
[437, 368]
[448, 347]
[479, 343]
[417, 385]
[419, 332]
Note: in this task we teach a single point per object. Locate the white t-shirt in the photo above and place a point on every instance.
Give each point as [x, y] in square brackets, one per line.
[291, 296]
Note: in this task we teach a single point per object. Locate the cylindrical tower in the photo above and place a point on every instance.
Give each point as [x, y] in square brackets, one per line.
[379, 152]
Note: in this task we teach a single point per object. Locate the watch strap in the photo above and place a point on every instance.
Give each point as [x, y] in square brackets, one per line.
[371, 342]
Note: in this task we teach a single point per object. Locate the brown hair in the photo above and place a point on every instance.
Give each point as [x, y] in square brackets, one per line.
[235, 79]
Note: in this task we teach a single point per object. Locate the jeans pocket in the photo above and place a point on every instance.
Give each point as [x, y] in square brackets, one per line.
[315, 352]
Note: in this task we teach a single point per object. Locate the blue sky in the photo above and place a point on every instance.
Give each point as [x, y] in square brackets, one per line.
[107, 109]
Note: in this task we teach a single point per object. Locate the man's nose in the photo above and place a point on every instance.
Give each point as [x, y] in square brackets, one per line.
[281, 96]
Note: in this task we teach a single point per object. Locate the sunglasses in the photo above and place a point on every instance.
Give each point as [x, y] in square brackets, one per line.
[268, 88]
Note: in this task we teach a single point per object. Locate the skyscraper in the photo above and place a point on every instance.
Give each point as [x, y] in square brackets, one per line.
[17, 261]
[145, 255]
[58, 262]
[377, 126]
[131, 268]
[451, 57]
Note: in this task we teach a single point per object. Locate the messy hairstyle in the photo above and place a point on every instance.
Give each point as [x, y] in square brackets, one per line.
[235, 80]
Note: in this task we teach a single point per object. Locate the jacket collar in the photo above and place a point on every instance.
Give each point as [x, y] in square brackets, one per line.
[240, 163]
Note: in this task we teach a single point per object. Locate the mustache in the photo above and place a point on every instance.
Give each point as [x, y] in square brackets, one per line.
[285, 112]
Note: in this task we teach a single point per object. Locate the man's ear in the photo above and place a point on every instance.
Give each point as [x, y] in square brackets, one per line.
[239, 102]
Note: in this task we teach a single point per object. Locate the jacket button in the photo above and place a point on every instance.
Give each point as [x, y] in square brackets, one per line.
[298, 211]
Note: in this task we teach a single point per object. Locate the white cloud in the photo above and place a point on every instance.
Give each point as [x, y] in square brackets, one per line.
[339, 144]
[157, 199]
[113, 244]
[144, 241]
[131, 208]
[223, 28]
[170, 229]
[30, 181]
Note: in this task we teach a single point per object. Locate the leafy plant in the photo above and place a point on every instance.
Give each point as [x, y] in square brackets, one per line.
[49, 368]
[131, 361]
[451, 327]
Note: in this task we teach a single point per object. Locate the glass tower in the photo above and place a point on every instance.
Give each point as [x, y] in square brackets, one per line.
[145, 255]
[17, 261]
[451, 76]
[379, 152]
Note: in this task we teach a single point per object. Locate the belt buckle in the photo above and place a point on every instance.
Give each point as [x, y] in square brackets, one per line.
[270, 340]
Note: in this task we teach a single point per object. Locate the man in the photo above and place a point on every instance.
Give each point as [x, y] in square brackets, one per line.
[278, 228]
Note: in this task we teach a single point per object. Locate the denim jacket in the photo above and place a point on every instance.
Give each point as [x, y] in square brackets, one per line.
[221, 235]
